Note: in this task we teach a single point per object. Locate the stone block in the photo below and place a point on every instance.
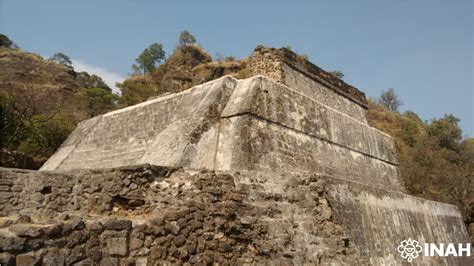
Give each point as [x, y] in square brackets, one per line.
[26, 259]
[54, 257]
[110, 261]
[117, 246]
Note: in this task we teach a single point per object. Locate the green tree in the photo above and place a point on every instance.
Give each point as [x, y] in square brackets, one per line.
[390, 100]
[147, 61]
[12, 123]
[91, 81]
[134, 91]
[62, 59]
[447, 131]
[27, 131]
[186, 38]
[5, 41]
[99, 101]
[45, 133]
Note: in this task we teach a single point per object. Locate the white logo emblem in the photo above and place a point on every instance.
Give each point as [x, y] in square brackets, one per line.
[409, 249]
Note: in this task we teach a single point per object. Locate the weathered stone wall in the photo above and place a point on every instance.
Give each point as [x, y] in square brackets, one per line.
[163, 131]
[315, 184]
[279, 104]
[147, 215]
[380, 220]
[252, 124]
[304, 84]
[251, 143]
[286, 67]
[150, 215]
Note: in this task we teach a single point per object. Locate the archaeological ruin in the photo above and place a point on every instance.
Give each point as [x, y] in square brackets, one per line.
[279, 168]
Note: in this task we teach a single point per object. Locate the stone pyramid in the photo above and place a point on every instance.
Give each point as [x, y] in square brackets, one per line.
[290, 132]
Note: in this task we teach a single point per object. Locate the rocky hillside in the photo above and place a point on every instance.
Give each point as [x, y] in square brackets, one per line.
[33, 80]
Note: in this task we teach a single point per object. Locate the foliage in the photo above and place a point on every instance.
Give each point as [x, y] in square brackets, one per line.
[45, 134]
[33, 134]
[11, 133]
[186, 38]
[446, 131]
[135, 91]
[5, 41]
[62, 59]
[390, 100]
[147, 61]
[435, 163]
[91, 81]
[337, 73]
[223, 58]
[99, 101]
[244, 73]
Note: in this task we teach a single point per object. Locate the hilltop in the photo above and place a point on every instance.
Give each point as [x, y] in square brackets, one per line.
[187, 66]
[42, 101]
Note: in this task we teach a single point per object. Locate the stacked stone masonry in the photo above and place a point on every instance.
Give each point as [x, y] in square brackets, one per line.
[252, 124]
[286, 67]
[280, 168]
[146, 215]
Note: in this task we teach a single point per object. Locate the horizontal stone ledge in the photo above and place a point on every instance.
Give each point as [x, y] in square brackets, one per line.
[277, 103]
[247, 142]
[271, 62]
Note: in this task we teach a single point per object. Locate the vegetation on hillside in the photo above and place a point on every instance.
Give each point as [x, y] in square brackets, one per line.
[147, 61]
[187, 66]
[41, 101]
[436, 163]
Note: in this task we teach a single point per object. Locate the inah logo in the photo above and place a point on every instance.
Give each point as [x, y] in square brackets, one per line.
[409, 249]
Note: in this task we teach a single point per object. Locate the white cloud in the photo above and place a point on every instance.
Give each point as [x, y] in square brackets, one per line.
[110, 78]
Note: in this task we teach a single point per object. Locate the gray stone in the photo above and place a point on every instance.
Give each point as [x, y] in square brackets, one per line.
[117, 246]
[7, 259]
[179, 241]
[110, 261]
[117, 224]
[94, 253]
[77, 237]
[25, 230]
[135, 243]
[52, 230]
[54, 257]
[86, 262]
[76, 254]
[172, 227]
[143, 261]
[10, 241]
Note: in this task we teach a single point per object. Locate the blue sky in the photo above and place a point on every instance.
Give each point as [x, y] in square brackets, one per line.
[422, 49]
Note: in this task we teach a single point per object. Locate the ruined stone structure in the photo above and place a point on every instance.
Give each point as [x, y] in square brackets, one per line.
[280, 167]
